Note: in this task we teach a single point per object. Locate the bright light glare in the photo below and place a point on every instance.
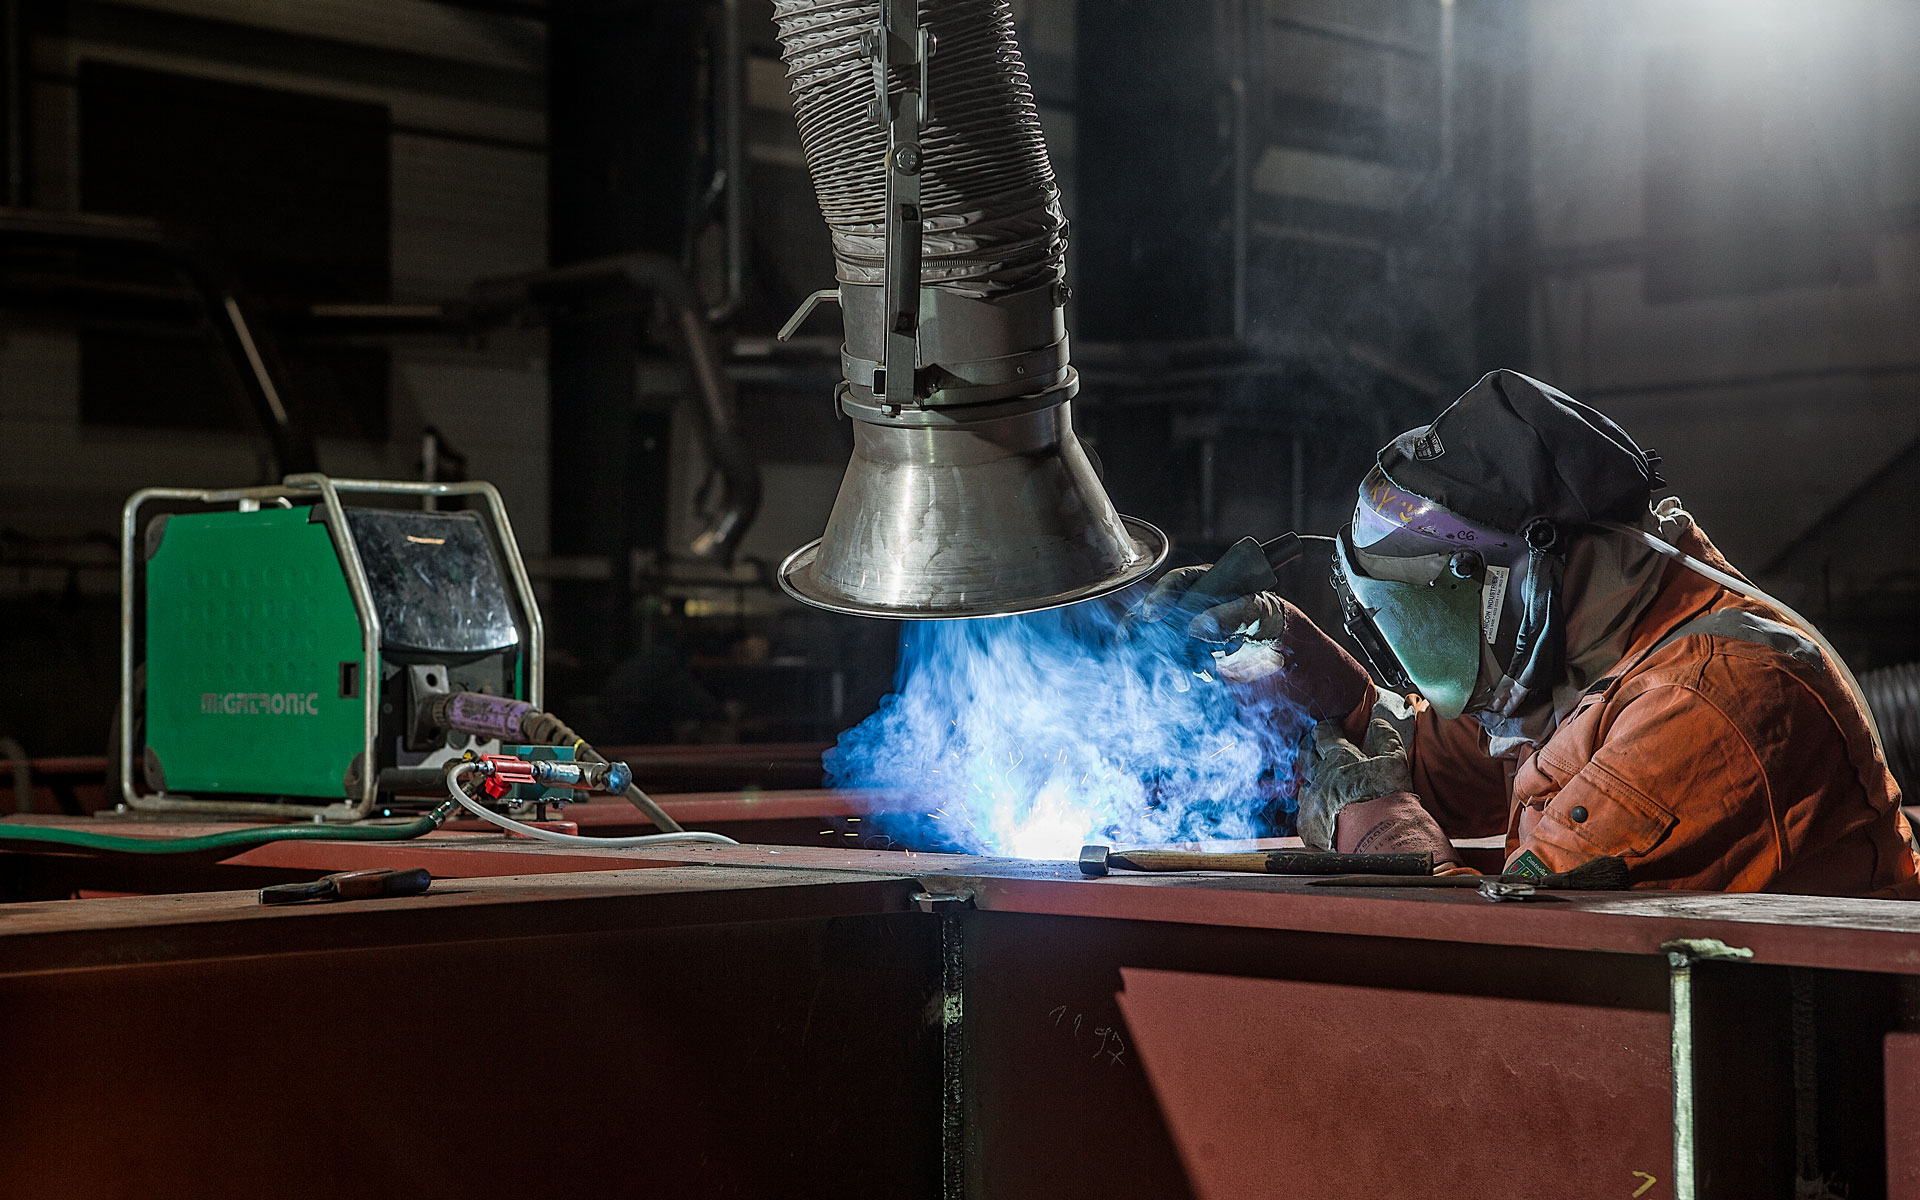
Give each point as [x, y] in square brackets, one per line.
[1029, 736]
[1055, 828]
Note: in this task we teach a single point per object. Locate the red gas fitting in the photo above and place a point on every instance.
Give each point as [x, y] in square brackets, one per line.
[501, 772]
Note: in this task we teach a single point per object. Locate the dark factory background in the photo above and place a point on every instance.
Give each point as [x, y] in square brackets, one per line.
[1298, 227]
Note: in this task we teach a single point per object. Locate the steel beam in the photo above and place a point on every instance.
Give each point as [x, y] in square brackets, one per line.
[863, 1022]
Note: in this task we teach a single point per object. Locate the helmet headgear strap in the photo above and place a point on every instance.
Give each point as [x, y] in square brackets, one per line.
[1540, 646]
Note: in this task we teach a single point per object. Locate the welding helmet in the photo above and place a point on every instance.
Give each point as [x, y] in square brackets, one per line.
[1459, 538]
[1421, 589]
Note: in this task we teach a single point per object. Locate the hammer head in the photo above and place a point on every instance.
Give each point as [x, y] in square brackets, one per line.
[1093, 860]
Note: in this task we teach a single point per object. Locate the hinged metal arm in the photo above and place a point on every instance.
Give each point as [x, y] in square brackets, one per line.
[900, 40]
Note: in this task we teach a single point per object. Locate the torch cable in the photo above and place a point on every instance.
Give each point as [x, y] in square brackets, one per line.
[232, 841]
[460, 796]
[1752, 592]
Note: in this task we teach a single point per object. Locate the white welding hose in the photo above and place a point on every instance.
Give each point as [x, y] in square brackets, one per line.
[568, 839]
[1740, 587]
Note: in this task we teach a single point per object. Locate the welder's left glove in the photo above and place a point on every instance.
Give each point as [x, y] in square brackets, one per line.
[1264, 639]
[1359, 799]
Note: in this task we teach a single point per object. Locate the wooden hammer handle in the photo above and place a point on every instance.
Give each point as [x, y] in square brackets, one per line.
[1274, 862]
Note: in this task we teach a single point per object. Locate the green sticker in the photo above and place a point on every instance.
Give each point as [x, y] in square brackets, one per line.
[1528, 864]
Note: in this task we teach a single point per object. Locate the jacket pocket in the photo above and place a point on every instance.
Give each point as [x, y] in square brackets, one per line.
[1597, 812]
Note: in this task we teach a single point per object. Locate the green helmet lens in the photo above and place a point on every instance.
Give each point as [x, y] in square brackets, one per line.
[1428, 614]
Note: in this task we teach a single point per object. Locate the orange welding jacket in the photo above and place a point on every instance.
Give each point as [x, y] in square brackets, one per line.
[1709, 763]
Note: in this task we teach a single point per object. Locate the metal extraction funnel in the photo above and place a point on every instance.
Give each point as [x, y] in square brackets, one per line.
[996, 512]
[968, 494]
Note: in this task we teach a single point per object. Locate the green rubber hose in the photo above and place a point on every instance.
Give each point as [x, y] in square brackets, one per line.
[233, 840]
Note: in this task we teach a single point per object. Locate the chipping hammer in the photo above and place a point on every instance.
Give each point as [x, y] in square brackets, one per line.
[1099, 860]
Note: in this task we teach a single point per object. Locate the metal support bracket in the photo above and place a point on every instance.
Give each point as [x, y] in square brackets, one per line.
[814, 300]
[900, 40]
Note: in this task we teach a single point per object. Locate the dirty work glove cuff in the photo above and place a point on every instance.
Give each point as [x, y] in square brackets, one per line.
[1395, 824]
[1340, 773]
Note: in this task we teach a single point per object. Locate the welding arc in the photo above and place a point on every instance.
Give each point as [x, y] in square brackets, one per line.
[459, 794]
[230, 842]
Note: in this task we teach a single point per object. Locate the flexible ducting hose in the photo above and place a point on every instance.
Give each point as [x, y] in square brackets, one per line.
[991, 209]
[1893, 693]
[958, 174]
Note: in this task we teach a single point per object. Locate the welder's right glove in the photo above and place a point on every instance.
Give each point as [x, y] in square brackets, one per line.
[1359, 799]
[1268, 641]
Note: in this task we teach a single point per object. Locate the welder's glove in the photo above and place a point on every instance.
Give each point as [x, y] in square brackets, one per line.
[1264, 639]
[1359, 799]
[1170, 589]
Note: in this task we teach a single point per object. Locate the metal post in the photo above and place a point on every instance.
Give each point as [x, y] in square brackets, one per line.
[952, 1060]
[1806, 1084]
[1681, 956]
[953, 1124]
[1680, 992]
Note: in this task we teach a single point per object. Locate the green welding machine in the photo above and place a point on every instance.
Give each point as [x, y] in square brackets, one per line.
[280, 649]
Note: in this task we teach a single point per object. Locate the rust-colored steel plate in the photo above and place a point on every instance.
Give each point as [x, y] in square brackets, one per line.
[668, 1033]
[1298, 1089]
[1121, 1059]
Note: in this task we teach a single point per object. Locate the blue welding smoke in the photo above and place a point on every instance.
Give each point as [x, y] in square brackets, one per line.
[1028, 736]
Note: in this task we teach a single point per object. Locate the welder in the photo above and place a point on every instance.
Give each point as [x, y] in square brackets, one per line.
[1568, 664]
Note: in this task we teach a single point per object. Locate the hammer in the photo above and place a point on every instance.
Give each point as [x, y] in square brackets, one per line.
[1098, 860]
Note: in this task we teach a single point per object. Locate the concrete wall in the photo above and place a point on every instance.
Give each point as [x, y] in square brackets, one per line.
[1771, 404]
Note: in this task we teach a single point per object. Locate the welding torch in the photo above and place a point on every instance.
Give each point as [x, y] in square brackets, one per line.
[517, 721]
[1247, 567]
[500, 772]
